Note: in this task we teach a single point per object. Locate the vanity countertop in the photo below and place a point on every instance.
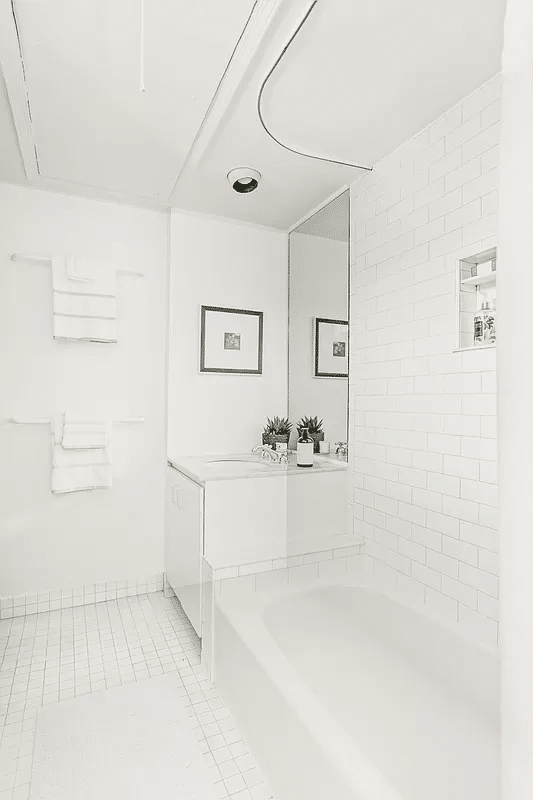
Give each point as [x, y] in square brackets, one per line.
[248, 465]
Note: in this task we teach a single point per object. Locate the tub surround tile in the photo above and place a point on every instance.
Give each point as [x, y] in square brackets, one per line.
[351, 546]
[424, 417]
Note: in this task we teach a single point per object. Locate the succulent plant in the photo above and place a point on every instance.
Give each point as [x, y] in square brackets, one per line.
[313, 424]
[278, 426]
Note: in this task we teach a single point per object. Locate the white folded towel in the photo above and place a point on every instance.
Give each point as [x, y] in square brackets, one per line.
[86, 329]
[82, 276]
[85, 305]
[82, 460]
[80, 478]
[84, 300]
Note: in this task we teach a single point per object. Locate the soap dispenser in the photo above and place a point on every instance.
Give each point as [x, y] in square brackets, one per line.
[304, 449]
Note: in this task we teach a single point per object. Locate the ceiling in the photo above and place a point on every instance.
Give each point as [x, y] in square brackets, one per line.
[330, 222]
[360, 78]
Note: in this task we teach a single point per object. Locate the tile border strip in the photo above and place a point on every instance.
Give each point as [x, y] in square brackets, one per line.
[87, 594]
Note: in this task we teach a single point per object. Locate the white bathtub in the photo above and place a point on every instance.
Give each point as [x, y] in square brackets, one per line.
[344, 694]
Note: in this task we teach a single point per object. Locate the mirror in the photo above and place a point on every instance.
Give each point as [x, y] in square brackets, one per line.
[318, 319]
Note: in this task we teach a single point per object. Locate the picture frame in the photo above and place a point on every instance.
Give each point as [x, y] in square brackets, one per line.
[331, 348]
[231, 341]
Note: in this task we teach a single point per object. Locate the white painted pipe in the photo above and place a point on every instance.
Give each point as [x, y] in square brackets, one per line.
[515, 401]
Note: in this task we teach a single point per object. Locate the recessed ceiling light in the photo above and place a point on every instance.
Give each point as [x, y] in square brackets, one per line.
[244, 179]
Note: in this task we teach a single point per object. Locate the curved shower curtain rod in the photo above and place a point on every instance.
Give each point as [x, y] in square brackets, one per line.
[260, 95]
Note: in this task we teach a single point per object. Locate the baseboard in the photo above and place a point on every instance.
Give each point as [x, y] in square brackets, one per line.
[34, 603]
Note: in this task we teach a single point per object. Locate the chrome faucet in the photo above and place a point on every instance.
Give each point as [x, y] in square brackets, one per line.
[341, 448]
[267, 452]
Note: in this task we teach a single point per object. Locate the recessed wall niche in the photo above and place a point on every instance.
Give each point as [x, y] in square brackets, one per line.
[476, 285]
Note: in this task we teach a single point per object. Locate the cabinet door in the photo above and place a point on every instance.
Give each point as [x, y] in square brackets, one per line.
[184, 533]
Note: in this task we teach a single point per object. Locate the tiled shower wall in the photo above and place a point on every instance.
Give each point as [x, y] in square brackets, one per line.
[423, 421]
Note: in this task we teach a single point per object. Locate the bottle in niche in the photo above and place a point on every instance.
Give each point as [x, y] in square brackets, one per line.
[304, 450]
[485, 324]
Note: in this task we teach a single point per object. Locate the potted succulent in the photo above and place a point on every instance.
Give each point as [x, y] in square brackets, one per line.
[314, 429]
[276, 430]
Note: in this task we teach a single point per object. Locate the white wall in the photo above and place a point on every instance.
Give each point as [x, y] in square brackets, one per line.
[318, 288]
[220, 263]
[50, 542]
[424, 434]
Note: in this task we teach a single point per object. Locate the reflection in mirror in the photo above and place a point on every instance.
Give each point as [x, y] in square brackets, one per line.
[318, 313]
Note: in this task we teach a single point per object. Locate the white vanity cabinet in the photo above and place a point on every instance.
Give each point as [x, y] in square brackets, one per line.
[184, 543]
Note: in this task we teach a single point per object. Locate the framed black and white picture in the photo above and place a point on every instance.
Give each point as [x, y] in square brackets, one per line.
[231, 340]
[331, 348]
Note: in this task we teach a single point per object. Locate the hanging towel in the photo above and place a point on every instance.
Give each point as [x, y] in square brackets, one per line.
[84, 300]
[82, 276]
[82, 460]
[85, 329]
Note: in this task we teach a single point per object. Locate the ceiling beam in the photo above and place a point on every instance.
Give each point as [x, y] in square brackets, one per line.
[259, 22]
[12, 67]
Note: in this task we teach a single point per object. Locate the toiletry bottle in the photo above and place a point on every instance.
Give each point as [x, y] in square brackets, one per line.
[304, 450]
[490, 324]
[485, 325]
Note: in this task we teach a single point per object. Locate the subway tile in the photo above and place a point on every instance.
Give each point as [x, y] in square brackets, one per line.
[490, 159]
[443, 523]
[461, 467]
[481, 404]
[462, 425]
[322, 555]
[480, 535]
[462, 551]
[412, 513]
[488, 471]
[478, 448]
[445, 204]
[467, 130]
[427, 499]
[488, 516]
[461, 509]
[477, 578]
[484, 141]
[443, 166]
[489, 561]
[486, 493]
[481, 229]
[445, 484]
[459, 591]
[488, 606]
[431, 462]
[426, 575]
[486, 183]
[445, 564]
[412, 550]
[465, 173]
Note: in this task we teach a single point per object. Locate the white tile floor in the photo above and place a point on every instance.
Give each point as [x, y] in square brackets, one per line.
[55, 655]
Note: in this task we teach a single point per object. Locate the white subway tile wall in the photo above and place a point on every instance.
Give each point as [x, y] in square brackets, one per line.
[423, 417]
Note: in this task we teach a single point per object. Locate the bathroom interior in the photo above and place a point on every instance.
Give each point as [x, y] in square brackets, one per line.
[256, 453]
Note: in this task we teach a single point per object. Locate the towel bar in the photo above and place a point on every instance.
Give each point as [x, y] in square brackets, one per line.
[47, 420]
